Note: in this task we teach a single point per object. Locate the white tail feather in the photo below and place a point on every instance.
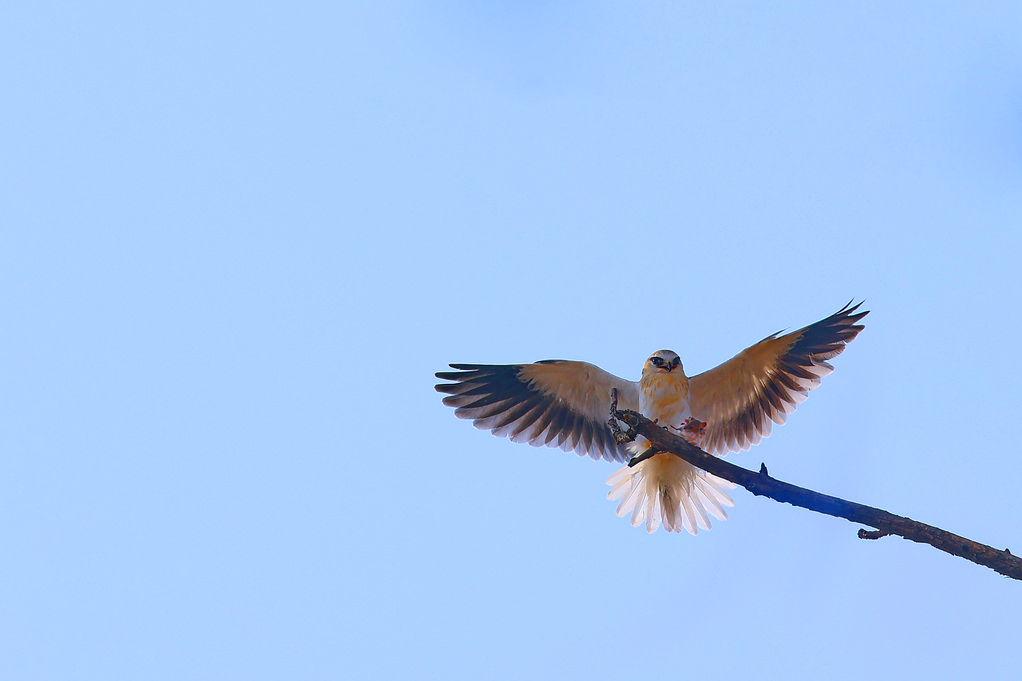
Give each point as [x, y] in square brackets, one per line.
[667, 490]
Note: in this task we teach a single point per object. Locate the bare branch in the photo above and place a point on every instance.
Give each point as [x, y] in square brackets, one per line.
[620, 436]
[761, 484]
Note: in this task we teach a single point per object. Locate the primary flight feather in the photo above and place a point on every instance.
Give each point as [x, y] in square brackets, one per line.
[566, 404]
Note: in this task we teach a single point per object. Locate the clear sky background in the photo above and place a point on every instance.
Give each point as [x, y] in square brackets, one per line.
[239, 238]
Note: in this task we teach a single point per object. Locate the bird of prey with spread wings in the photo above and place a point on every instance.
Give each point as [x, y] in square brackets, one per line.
[566, 404]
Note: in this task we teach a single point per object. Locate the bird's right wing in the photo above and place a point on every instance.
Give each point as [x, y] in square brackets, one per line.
[765, 382]
[553, 403]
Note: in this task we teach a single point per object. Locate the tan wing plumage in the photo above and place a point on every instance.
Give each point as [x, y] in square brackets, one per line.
[553, 403]
[764, 383]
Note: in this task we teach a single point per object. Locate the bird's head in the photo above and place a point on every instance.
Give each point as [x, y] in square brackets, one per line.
[663, 361]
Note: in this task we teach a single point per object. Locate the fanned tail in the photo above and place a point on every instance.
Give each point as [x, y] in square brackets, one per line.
[666, 490]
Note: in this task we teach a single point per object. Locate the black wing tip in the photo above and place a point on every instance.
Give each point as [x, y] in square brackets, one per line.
[471, 373]
[845, 319]
[464, 370]
[828, 337]
[850, 311]
[451, 376]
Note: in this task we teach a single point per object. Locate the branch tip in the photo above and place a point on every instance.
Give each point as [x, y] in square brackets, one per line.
[873, 534]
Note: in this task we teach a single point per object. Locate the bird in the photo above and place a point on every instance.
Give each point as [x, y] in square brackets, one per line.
[567, 404]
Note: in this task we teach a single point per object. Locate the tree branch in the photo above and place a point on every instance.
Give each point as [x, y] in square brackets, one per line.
[761, 484]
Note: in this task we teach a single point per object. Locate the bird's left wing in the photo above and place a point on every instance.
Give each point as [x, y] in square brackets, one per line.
[765, 382]
[553, 403]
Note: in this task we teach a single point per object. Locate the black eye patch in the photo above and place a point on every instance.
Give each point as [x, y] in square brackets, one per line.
[656, 361]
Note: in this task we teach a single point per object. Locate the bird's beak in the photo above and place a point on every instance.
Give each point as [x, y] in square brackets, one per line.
[669, 367]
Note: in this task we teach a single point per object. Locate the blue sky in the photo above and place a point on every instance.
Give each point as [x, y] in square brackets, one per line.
[240, 238]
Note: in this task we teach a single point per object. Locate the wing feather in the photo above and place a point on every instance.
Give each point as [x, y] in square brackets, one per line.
[741, 398]
[553, 403]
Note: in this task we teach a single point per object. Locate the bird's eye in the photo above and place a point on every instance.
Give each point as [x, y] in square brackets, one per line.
[676, 361]
[656, 361]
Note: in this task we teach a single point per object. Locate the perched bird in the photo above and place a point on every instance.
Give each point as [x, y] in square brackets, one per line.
[566, 404]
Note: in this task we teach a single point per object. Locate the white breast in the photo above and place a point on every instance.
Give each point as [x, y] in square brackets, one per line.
[664, 398]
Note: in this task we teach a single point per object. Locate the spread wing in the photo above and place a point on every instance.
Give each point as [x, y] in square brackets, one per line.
[556, 403]
[740, 398]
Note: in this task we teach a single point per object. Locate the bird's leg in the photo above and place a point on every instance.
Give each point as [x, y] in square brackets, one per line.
[625, 436]
[620, 436]
[642, 457]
